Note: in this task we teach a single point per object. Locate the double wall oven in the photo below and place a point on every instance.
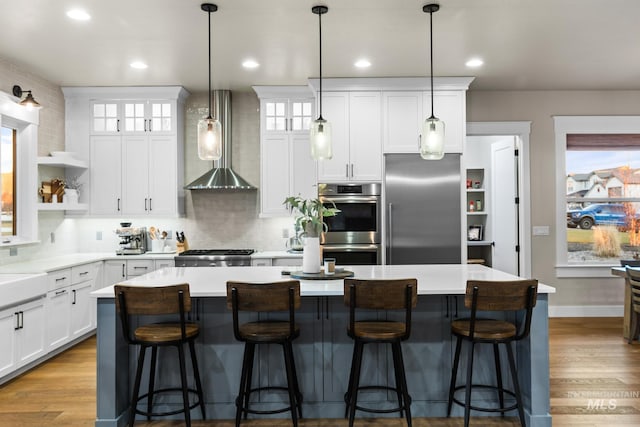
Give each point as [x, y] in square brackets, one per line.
[354, 235]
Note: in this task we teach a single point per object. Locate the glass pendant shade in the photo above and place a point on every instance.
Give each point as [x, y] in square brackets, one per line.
[320, 137]
[432, 140]
[209, 139]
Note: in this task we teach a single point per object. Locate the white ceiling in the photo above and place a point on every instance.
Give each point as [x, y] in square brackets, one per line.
[526, 44]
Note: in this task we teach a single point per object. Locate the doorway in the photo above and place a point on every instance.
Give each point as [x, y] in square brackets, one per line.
[503, 148]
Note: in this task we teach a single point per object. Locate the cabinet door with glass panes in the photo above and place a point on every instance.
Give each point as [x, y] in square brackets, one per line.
[133, 117]
[287, 115]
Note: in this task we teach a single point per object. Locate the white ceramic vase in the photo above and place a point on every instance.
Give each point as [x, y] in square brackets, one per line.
[311, 255]
[71, 196]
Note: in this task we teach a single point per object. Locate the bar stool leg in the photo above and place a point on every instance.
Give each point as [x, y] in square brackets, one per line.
[396, 372]
[243, 381]
[347, 395]
[247, 384]
[290, 384]
[406, 398]
[467, 397]
[136, 386]
[152, 380]
[516, 385]
[454, 374]
[496, 356]
[185, 392]
[359, 347]
[295, 379]
[196, 373]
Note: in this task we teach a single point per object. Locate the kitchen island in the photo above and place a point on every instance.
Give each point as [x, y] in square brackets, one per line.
[323, 350]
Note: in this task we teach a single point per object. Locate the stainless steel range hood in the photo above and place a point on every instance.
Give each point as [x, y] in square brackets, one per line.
[221, 177]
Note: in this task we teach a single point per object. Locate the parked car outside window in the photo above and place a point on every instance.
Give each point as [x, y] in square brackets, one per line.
[598, 214]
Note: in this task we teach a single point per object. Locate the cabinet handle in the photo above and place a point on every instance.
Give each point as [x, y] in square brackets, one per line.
[150, 128]
[61, 279]
[150, 204]
[351, 170]
[118, 204]
[389, 232]
[291, 124]
[17, 314]
[145, 204]
[419, 141]
[74, 297]
[137, 267]
[64, 291]
[118, 125]
[83, 273]
[123, 270]
[346, 170]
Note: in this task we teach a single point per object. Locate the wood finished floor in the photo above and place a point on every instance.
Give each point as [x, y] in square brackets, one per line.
[595, 382]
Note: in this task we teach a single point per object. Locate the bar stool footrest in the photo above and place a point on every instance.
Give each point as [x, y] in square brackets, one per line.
[379, 411]
[166, 390]
[483, 409]
[262, 412]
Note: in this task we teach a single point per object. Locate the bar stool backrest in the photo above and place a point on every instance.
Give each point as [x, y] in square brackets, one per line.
[516, 295]
[634, 281]
[160, 300]
[264, 297]
[390, 294]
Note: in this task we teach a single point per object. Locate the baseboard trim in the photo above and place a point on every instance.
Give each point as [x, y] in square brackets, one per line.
[586, 311]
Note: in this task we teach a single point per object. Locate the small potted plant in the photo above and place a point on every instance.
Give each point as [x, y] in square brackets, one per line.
[310, 219]
[72, 190]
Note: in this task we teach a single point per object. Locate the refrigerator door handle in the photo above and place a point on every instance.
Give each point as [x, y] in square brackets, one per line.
[389, 232]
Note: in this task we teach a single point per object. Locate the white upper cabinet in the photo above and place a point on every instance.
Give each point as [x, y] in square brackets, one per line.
[134, 150]
[356, 140]
[401, 121]
[286, 166]
[133, 116]
[450, 107]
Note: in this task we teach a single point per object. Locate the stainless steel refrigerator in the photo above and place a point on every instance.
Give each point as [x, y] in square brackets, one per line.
[423, 213]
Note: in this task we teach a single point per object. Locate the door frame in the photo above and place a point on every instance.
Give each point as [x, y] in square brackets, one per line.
[521, 129]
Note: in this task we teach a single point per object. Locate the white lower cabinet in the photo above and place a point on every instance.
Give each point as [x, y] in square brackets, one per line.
[81, 308]
[116, 271]
[23, 334]
[58, 302]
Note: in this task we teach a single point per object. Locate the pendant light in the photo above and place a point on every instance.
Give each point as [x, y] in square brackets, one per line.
[209, 129]
[432, 140]
[320, 133]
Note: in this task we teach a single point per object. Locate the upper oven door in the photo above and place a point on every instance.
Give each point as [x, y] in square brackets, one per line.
[357, 222]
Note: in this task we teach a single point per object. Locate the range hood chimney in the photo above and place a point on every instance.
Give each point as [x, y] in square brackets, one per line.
[221, 177]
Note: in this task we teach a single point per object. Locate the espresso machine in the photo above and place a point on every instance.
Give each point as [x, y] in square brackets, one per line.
[133, 240]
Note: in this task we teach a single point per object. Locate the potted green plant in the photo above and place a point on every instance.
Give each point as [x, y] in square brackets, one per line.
[310, 219]
[311, 214]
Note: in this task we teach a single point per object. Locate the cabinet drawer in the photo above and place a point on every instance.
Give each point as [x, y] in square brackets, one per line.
[261, 262]
[139, 267]
[59, 279]
[162, 263]
[287, 262]
[82, 273]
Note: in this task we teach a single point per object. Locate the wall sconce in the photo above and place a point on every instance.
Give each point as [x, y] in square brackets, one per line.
[29, 101]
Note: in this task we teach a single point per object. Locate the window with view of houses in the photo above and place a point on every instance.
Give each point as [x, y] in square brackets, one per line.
[602, 197]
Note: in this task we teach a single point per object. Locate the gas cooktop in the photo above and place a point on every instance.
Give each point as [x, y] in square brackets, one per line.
[214, 258]
[205, 252]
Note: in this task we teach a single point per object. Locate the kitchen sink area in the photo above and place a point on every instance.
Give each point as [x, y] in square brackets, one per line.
[16, 287]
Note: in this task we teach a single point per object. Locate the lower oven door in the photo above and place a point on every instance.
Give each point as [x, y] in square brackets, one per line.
[353, 254]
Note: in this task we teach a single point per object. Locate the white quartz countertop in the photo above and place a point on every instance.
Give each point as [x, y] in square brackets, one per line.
[449, 279]
[45, 265]
[276, 254]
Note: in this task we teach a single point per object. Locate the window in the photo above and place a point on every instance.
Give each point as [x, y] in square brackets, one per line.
[7, 181]
[598, 166]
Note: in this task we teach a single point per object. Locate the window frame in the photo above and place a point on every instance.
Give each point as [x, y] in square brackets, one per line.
[564, 125]
[26, 123]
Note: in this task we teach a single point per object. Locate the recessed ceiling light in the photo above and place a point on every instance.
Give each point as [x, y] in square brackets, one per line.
[250, 63]
[362, 63]
[474, 63]
[139, 65]
[78, 15]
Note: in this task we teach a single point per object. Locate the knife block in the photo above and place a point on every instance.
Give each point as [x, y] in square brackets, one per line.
[182, 246]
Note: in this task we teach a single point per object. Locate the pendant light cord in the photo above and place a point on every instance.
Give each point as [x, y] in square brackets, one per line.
[431, 57]
[210, 117]
[320, 32]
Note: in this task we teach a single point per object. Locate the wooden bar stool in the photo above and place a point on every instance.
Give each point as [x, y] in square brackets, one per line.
[266, 298]
[157, 301]
[633, 277]
[519, 296]
[387, 295]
